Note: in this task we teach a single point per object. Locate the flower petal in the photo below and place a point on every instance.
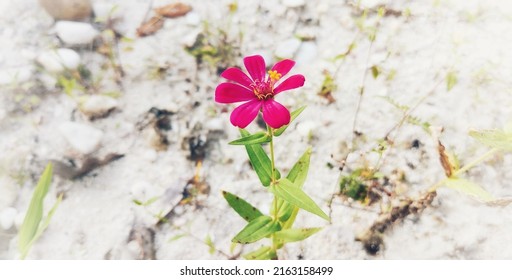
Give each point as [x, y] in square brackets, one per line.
[255, 66]
[275, 114]
[236, 75]
[284, 66]
[244, 114]
[231, 93]
[292, 82]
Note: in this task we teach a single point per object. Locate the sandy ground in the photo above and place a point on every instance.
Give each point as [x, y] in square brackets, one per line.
[417, 44]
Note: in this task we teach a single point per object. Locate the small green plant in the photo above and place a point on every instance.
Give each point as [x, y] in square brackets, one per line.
[33, 225]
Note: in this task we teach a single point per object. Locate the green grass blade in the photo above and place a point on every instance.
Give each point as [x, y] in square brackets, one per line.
[242, 207]
[31, 223]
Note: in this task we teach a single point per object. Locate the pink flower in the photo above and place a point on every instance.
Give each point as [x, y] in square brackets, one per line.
[258, 90]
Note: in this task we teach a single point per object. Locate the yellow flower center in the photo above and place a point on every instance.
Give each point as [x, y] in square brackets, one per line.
[274, 76]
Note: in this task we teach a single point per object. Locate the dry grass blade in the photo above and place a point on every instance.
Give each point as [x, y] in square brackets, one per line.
[173, 10]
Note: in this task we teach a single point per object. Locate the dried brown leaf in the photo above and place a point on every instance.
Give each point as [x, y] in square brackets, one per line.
[151, 26]
[173, 10]
[445, 160]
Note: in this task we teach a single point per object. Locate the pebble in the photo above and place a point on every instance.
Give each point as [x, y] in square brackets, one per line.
[82, 138]
[138, 190]
[67, 9]
[56, 61]
[193, 19]
[294, 3]
[307, 53]
[287, 48]
[215, 124]
[75, 33]
[15, 75]
[98, 106]
[7, 217]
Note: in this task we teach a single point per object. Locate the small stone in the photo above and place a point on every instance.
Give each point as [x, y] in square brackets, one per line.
[82, 138]
[7, 217]
[75, 33]
[98, 106]
[138, 190]
[215, 124]
[67, 9]
[294, 3]
[56, 61]
[193, 19]
[307, 53]
[287, 48]
[15, 75]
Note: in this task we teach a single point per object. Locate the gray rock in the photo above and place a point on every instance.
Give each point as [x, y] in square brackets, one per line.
[7, 217]
[82, 138]
[67, 9]
[56, 61]
[193, 19]
[76, 33]
[306, 53]
[294, 3]
[98, 106]
[15, 75]
[287, 49]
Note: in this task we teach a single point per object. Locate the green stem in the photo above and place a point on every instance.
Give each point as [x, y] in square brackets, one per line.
[465, 168]
[272, 161]
[273, 175]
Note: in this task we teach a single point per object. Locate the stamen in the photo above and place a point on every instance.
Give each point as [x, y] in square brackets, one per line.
[274, 76]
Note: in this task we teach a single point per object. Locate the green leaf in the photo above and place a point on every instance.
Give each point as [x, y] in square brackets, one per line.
[451, 80]
[211, 247]
[176, 237]
[469, 188]
[375, 71]
[32, 221]
[299, 171]
[259, 160]
[296, 234]
[257, 229]
[256, 138]
[293, 115]
[292, 194]
[494, 138]
[242, 207]
[263, 253]
[297, 176]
